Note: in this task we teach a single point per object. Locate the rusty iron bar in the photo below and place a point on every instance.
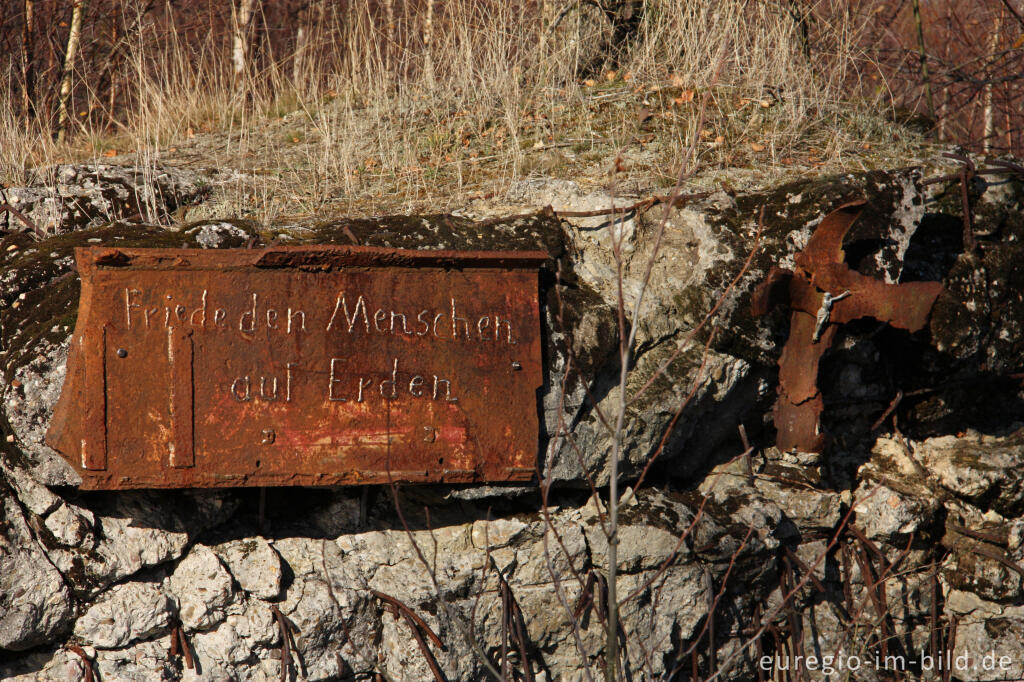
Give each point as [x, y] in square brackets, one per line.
[759, 647]
[89, 673]
[864, 540]
[934, 616]
[420, 623]
[950, 643]
[970, 243]
[418, 627]
[778, 641]
[712, 652]
[326, 365]
[514, 623]
[417, 634]
[586, 598]
[639, 207]
[289, 651]
[846, 568]
[7, 208]
[1005, 168]
[180, 646]
[748, 454]
[787, 585]
[505, 608]
[876, 594]
[1002, 539]
[792, 556]
[888, 411]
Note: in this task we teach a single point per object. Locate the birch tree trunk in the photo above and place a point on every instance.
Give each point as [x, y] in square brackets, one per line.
[74, 37]
[428, 34]
[389, 31]
[112, 95]
[299, 58]
[242, 18]
[989, 110]
[28, 75]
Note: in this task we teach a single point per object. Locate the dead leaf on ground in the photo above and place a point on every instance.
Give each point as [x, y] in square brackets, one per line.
[684, 96]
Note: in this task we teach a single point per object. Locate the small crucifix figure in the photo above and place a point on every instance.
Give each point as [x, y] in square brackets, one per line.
[816, 314]
[825, 312]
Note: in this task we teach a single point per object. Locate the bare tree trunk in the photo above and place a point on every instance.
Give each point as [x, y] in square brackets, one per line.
[242, 18]
[945, 60]
[301, 38]
[74, 37]
[28, 65]
[989, 110]
[112, 95]
[389, 31]
[428, 34]
[925, 81]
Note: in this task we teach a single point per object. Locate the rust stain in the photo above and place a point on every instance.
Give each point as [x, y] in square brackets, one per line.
[324, 365]
[822, 293]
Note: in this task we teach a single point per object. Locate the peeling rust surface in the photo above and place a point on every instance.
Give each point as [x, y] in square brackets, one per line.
[821, 271]
[326, 365]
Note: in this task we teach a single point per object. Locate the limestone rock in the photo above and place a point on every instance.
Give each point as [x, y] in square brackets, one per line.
[202, 587]
[885, 514]
[238, 641]
[219, 235]
[984, 470]
[325, 552]
[136, 530]
[35, 604]
[70, 525]
[126, 613]
[68, 197]
[993, 649]
[254, 564]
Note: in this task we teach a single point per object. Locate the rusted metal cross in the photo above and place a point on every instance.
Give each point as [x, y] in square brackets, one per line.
[823, 293]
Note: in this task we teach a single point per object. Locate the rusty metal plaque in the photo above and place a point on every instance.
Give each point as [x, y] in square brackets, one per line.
[301, 366]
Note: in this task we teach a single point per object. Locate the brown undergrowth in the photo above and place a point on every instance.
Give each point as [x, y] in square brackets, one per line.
[431, 110]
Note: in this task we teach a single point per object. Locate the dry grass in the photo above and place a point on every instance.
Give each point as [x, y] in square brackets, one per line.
[380, 118]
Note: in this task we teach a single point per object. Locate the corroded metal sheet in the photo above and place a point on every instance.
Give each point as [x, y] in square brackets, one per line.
[820, 272]
[302, 366]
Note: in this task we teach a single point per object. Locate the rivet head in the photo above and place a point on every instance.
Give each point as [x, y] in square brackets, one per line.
[122, 353]
[516, 366]
[268, 436]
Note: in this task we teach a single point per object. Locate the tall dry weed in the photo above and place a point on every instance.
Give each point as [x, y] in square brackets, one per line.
[383, 107]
